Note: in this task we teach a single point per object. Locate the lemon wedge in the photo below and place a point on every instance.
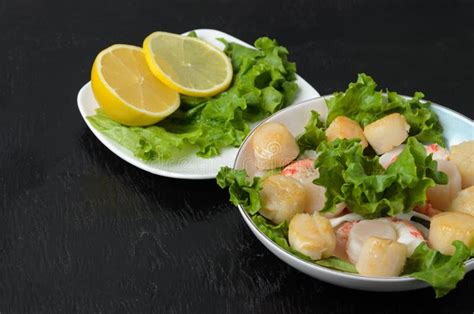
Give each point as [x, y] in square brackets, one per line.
[125, 88]
[188, 65]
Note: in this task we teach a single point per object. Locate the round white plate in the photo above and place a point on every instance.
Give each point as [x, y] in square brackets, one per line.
[189, 166]
[457, 128]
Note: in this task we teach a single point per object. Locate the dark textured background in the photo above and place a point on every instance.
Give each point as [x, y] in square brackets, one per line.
[81, 230]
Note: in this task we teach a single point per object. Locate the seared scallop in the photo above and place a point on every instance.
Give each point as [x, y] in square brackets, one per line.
[450, 226]
[312, 235]
[464, 202]
[387, 133]
[441, 195]
[345, 128]
[381, 258]
[273, 146]
[462, 156]
[282, 197]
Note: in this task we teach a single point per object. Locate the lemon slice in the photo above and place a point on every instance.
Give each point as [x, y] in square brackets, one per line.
[125, 88]
[187, 65]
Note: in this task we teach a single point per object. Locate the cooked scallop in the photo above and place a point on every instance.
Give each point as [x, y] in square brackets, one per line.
[450, 226]
[381, 258]
[282, 197]
[273, 146]
[441, 195]
[361, 231]
[312, 235]
[343, 127]
[462, 156]
[464, 202]
[387, 133]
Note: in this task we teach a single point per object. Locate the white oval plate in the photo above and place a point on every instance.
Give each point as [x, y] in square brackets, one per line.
[457, 128]
[189, 166]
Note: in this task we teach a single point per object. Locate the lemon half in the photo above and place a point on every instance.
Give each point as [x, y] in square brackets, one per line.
[188, 65]
[125, 88]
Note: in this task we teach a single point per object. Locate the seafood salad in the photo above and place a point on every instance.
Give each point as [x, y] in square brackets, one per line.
[368, 188]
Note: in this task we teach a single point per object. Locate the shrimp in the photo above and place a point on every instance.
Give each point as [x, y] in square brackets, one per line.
[439, 153]
[342, 235]
[427, 210]
[408, 235]
[273, 146]
[305, 173]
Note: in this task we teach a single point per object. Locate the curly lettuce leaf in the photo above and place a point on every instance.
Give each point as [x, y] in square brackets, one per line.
[313, 133]
[242, 191]
[276, 233]
[263, 82]
[147, 143]
[337, 264]
[442, 272]
[364, 104]
[366, 187]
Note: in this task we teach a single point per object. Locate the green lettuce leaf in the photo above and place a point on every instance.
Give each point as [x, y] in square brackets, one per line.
[263, 83]
[361, 102]
[241, 190]
[192, 34]
[366, 187]
[337, 264]
[276, 233]
[442, 272]
[313, 133]
[147, 143]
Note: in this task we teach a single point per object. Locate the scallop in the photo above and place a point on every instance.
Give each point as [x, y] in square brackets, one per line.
[462, 156]
[441, 195]
[273, 146]
[464, 202]
[312, 235]
[387, 133]
[361, 231]
[381, 257]
[447, 227]
[345, 128]
[282, 197]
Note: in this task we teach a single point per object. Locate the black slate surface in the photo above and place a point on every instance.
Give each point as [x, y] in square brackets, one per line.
[83, 231]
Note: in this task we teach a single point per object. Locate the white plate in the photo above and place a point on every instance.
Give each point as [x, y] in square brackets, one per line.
[189, 166]
[457, 128]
